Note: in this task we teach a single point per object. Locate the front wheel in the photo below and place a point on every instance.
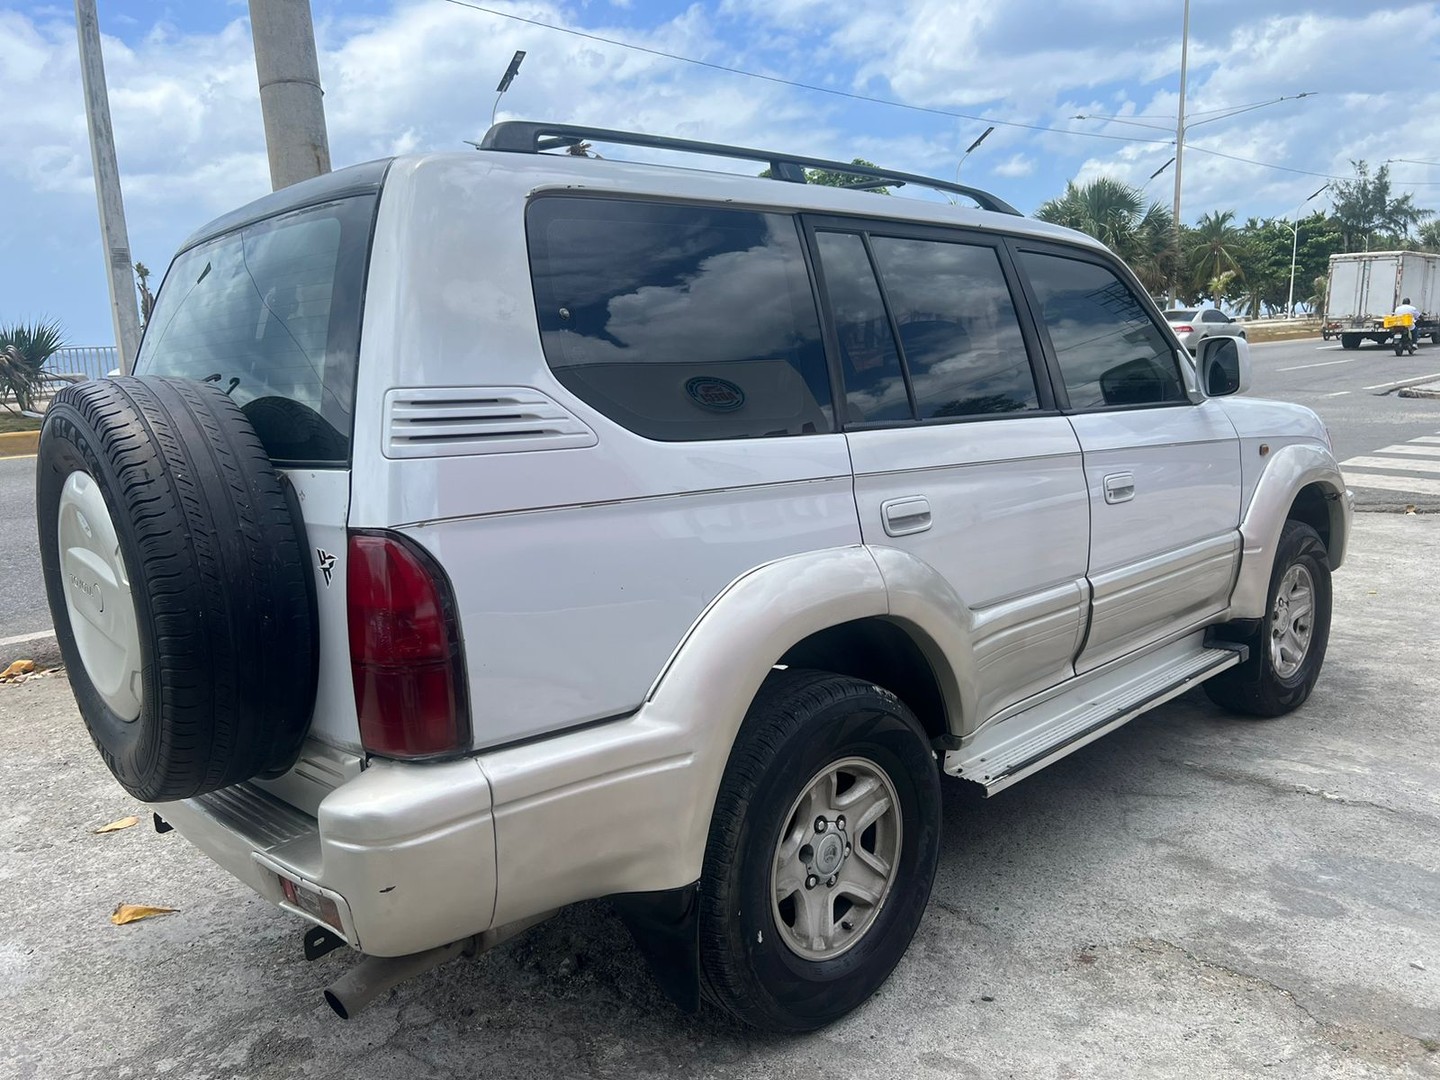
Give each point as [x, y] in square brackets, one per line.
[822, 851]
[1287, 648]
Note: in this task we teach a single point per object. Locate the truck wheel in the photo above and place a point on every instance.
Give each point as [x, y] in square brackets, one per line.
[822, 851]
[1287, 648]
[1435, 338]
[1350, 341]
[176, 573]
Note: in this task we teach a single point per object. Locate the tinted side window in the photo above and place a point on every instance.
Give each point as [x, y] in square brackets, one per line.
[271, 314]
[874, 385]
[1109, 351]
[680, 322]
[958, 329]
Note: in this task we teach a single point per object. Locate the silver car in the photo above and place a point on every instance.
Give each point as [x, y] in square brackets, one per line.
[1193, 325]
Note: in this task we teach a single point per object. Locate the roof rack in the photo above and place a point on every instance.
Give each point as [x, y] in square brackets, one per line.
[528, 137]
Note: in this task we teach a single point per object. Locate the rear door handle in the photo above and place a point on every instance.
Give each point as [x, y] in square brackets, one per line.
[904, 516]
[1119, 487]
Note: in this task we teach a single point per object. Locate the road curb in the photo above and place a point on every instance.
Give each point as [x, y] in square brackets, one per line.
[18, 443]
[1432, 391]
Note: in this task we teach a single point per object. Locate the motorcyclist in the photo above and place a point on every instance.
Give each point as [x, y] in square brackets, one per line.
[1407, 333]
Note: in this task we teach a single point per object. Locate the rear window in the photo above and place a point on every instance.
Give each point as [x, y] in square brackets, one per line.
[680, 322]
[271, 314]
[1180, 316]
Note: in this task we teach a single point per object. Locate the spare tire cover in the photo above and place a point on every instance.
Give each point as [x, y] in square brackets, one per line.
[175, 567]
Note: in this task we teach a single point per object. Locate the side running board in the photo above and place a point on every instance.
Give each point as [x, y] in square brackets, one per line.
[1010, 750]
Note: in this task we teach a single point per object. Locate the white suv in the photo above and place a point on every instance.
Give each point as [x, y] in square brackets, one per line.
[489, 532]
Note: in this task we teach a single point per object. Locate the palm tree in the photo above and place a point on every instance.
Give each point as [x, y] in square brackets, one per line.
[1115, 214]
[1215, 247]
[24, 349]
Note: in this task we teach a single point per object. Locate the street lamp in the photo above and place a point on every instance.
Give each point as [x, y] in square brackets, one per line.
[971, 149]
[1295, 250]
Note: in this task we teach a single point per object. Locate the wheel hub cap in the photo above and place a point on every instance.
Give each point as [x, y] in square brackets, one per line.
[836, 859]
[1292, 621]
[97, 596]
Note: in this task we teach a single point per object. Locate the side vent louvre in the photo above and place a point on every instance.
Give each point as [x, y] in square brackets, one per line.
[457, 421]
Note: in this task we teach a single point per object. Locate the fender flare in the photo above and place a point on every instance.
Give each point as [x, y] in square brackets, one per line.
[1290, 469]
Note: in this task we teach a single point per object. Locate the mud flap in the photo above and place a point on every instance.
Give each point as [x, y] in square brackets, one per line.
[665, 926]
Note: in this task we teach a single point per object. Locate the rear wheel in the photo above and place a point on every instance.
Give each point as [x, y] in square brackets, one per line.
[1350, 341]
[822, 851]
[1287, 648]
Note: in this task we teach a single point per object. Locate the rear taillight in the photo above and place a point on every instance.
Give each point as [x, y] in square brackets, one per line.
[405, 651]
[1184, 329]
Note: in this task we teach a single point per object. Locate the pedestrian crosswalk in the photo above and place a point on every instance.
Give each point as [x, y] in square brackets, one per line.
[1413, 466]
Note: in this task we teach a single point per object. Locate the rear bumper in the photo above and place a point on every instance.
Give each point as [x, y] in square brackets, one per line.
[406, 853]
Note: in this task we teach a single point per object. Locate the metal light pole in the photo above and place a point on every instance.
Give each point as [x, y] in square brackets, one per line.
[1180, 148]
[113, 235]
[290, 94]
[1295, 251]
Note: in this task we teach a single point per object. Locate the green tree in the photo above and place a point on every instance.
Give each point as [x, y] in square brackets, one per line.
[1366, 208]
[24, 348]
[1214, 246]
[830, 178]
[1115, 214]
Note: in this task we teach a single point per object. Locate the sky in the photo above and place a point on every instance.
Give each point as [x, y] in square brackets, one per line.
[415, 75]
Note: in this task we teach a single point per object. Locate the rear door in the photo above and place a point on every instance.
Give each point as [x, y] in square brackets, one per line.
[960, 457]
[1162, 467]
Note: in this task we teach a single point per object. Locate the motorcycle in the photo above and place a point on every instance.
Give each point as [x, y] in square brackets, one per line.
[1402, 336]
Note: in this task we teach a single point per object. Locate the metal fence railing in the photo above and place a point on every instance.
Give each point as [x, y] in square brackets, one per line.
[94, 361]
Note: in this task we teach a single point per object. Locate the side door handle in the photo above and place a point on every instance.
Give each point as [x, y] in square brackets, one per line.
[904, 516]
[1119, 487]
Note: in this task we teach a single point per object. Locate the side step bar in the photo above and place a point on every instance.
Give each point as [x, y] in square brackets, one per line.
[1009, 751]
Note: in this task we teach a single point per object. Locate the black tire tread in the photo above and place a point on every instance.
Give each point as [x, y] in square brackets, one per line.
[778, 711]
[1252, 688]
[218, 569]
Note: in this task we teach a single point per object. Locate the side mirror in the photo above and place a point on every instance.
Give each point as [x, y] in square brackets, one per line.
[1224, 365]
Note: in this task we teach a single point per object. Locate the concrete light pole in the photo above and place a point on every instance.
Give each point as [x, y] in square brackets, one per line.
[290, 94]
[113, 235]
[1180, 148]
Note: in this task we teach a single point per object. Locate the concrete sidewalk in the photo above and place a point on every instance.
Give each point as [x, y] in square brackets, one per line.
[1194, 896]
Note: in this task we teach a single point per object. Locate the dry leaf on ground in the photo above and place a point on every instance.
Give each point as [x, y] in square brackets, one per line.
[18, 668]
[128, 913]
[116, 826]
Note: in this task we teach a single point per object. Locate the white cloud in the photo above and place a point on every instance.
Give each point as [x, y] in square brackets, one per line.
[421, 74]
[1015, 165]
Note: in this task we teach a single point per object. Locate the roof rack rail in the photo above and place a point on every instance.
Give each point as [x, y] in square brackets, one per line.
[529, 137]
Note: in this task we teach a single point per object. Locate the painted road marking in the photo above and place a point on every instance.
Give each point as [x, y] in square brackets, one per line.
[1399, 464]
[1402, 382]
[1338, 393]
[1420, 484]
[1406, 448]
[1323, 363]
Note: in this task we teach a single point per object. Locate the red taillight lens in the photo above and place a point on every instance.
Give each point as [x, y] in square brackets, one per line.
[405, 650]
[1183, 329]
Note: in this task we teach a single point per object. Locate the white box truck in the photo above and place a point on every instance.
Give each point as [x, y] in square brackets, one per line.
[1366, 286]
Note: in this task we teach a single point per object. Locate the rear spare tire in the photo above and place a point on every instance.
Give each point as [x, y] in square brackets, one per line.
[177, 576]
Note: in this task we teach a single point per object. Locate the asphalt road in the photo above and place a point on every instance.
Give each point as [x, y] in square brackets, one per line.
[22, 594]
[1355, 394]
[1192, 896]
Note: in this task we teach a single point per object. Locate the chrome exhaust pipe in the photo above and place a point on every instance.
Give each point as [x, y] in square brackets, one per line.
[374, 975]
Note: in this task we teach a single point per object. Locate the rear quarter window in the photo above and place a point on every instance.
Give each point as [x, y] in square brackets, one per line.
[270, 313]
[680, 322]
